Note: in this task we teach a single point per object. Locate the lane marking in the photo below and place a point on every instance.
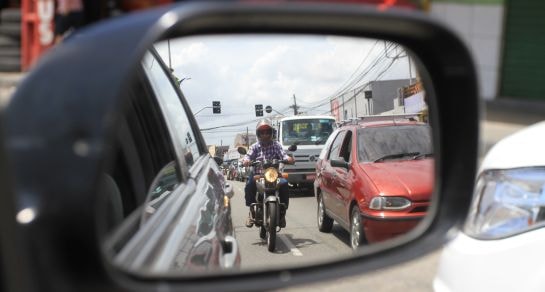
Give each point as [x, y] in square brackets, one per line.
[294, 250]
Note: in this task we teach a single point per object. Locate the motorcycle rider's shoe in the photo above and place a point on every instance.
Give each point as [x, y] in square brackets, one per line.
[282, 222]
[250, 220]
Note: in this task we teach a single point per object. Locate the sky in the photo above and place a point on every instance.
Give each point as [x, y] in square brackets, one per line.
[241, 71]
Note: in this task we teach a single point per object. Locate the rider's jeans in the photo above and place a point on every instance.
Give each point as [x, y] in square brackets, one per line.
[250, 190]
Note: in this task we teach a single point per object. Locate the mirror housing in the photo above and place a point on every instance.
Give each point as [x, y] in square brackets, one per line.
[292, 148]
[340, 163]
[34, 145]
[242, 150]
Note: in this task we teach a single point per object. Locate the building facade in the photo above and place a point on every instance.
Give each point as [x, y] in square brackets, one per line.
[506, 39]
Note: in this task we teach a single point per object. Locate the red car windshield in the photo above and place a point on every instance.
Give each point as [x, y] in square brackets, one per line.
[377, 144]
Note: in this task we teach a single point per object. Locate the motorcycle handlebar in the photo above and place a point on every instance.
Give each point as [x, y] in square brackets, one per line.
[270, 162]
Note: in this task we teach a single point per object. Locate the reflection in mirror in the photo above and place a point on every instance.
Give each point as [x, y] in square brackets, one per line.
[160, 189]
[351, 113]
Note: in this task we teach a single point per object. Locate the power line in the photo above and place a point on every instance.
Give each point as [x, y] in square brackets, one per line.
[354, 82]
[222, 115]
[231, 125]
[347, 82]
[368, 70]
[359, 66]
[358, 90]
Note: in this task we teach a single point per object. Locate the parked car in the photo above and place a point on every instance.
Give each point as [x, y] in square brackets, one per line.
[501, 245]
[375, 179]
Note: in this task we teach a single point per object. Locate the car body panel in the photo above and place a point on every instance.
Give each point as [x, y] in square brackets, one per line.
[507, 153]
[513, 263]
[393, 178]
[510, 264]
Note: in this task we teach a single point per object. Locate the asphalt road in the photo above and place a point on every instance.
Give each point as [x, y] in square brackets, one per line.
[300, 243]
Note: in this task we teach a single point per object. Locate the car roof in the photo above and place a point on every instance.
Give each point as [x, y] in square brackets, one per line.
[306, 118]
[373, 124]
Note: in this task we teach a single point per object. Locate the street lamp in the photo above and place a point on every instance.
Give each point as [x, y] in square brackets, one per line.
[216, 108]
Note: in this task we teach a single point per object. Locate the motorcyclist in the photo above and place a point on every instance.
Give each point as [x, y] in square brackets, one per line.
[265, 148]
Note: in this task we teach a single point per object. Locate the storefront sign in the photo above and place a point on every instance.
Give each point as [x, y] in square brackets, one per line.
[46, 12]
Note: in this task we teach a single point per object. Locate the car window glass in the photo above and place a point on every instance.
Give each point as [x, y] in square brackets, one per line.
[161, 188]
[379, 142]
[307, 131]
[335, 148]
[185, 141]
[325, 150]
[344, 153]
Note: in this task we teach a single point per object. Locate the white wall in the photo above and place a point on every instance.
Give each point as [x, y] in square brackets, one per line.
[481, 27]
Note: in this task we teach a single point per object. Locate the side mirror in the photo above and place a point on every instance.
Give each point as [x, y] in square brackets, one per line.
[340, 163]
[292, 148]
[242, 150]
[85, 115]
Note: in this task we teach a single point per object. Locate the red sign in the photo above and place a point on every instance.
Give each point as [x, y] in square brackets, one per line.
[37, 33]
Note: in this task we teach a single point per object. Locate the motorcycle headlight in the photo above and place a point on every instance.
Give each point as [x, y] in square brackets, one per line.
[271, 175]
[389, 203]
[507, 202]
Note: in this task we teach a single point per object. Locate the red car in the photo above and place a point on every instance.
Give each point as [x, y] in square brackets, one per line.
[375, 179]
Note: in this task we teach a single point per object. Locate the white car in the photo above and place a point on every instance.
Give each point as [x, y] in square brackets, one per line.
[502, 246]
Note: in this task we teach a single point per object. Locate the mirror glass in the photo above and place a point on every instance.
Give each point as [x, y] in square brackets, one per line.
[354, 110]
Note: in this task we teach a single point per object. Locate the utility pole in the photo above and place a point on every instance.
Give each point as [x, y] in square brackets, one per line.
[294, 106]
[355, 104]
[343, 115]
[247, 138]
[410, 71]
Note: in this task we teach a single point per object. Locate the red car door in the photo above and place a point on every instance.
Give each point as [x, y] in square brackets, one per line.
[328, 173]
[342, 180]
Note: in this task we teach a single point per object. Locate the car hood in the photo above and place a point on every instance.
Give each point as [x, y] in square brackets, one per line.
[521, 149]
[409, 178]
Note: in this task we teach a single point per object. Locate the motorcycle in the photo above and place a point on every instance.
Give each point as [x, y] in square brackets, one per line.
[268, 209]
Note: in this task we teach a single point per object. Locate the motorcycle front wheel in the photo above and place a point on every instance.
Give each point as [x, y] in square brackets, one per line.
[271, 226]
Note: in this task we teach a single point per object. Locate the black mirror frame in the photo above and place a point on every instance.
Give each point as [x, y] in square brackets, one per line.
[82, 267]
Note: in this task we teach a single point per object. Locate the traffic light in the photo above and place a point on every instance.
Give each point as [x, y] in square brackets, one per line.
[216, 107]
[258, 110]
